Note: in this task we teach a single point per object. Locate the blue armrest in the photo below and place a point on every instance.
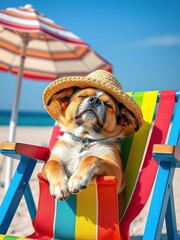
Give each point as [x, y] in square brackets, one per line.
[167, 154]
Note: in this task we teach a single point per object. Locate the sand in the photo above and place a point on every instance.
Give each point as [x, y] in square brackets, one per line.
[21, 224]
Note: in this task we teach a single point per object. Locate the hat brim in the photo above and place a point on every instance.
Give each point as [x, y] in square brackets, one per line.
[84, 82]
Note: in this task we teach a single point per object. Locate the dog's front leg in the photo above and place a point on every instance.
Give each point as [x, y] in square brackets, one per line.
[93, 166]
[54, 172]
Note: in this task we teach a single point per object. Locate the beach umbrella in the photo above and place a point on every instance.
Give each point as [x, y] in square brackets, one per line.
[33, 46]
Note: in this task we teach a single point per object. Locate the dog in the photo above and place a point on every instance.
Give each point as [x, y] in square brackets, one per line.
[93, 123]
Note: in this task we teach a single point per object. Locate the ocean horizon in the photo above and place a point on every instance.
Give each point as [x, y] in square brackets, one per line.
[27, 118]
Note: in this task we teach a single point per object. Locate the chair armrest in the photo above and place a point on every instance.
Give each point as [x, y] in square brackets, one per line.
[167, 153]
[18, 150]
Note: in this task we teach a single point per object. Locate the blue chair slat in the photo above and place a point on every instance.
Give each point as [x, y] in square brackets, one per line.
[15, 192]
[30, 202]
[162, 204]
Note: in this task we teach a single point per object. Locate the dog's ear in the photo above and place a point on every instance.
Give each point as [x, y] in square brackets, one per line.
[125, 117]
[62, 96]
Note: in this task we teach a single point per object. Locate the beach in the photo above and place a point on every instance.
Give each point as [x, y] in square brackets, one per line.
[21, 224]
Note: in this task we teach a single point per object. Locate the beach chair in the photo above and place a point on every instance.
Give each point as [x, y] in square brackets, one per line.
[93, 213]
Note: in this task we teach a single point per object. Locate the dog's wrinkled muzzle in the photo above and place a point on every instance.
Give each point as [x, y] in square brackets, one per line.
[91, 111]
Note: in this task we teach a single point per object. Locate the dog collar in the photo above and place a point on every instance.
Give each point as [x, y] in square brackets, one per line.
[86, 141]
[83, 141]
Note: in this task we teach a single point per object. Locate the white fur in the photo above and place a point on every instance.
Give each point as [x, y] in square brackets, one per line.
[71, 155]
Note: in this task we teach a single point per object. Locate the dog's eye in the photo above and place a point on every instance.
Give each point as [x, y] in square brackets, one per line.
[108, 105]
[82, 96]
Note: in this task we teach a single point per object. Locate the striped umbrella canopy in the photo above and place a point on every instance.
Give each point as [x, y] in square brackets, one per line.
[51, 50]
[33, 46]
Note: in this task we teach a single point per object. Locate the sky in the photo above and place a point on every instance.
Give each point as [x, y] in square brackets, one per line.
[141, 39]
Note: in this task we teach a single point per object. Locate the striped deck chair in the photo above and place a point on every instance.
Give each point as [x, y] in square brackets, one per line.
[93, 213]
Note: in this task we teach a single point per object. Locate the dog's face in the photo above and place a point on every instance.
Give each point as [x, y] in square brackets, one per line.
[92, 113]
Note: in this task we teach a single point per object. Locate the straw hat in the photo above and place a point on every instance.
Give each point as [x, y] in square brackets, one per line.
[100, 79]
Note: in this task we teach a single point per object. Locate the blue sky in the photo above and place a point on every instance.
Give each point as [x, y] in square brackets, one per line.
[141, 39]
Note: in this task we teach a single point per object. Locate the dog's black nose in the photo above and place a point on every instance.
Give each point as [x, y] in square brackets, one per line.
[94, 101]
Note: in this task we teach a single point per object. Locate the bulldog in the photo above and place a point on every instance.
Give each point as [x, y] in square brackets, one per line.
[94, 123]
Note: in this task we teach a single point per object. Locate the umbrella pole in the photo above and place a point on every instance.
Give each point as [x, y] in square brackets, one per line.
[14, 114]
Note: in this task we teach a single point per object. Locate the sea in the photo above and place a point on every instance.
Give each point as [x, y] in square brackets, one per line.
[26, 118]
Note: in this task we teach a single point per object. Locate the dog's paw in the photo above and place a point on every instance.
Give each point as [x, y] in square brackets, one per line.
[77, 183]
[59, 189]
